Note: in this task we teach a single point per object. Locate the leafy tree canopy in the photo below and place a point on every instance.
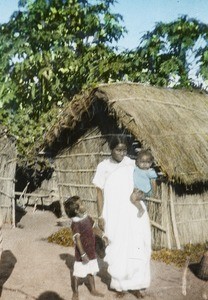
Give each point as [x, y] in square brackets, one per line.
[173, 54]
[50, 50]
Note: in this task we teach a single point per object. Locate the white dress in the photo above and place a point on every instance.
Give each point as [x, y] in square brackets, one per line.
[129, 251]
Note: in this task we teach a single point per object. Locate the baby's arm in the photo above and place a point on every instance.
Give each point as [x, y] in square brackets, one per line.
[82, 252]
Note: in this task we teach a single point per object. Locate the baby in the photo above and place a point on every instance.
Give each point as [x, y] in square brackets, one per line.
[143, 177]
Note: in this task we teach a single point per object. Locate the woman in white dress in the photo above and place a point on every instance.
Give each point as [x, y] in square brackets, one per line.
[129, 251]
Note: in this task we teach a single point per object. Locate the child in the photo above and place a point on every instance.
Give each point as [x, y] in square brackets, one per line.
[143, 176]
[84, 237]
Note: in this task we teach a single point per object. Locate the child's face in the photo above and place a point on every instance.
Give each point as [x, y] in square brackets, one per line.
[144, 162]
[82, 209]
[119, 152]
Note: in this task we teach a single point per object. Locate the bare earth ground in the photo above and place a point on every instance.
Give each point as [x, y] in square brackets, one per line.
[32, 268]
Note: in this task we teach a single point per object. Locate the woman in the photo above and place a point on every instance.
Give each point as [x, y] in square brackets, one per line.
[129, 250]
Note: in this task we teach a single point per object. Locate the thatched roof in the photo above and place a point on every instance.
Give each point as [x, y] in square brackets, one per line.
[172, 123]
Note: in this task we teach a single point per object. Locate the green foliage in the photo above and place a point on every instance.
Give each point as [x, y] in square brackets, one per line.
[44, 47]
[26, 129]
[51, 50]
[173, 54]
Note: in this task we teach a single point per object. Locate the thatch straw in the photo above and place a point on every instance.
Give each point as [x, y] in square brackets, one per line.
[173, 123]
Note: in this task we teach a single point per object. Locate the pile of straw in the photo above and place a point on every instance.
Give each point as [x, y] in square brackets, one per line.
[179, 257]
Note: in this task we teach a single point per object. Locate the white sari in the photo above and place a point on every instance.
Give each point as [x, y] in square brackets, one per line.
[129, 251]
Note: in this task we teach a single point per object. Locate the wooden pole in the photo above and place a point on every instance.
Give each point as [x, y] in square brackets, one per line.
[165, 214]
[13, 213]
[173, 219]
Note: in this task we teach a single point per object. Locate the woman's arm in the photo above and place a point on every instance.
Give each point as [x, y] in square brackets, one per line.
[100, 208]
[97, 231]
[99, 201]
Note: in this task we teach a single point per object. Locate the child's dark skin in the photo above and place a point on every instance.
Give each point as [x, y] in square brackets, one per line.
[90, 278]
[80, 211]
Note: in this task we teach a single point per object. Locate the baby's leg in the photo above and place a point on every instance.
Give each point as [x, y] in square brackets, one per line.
[93, 291]
[140, 209]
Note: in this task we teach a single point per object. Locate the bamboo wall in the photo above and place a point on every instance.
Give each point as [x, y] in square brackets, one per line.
[176, 220]
[75, 169]
[191, 213]
[7, 179]
[183, 218]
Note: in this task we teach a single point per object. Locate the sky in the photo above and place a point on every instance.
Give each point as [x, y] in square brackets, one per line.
[139, 16]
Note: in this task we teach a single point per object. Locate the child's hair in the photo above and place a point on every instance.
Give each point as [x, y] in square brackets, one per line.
[71, 206]
[142, 153]
[116, 140]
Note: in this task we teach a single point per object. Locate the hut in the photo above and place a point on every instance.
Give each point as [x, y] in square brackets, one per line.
[8, 160]
[172, 123]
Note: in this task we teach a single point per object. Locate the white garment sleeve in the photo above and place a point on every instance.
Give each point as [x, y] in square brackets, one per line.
[100, 174]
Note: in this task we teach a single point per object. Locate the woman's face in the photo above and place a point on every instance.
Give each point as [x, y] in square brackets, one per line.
[119, 152]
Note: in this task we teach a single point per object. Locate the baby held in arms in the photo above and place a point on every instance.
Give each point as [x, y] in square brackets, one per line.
[144, 178]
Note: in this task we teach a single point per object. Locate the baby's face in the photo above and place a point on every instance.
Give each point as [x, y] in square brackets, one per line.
[144, 162]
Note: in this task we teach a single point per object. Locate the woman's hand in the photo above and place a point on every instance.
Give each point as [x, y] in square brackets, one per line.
[136, 196]
[101, 223]
[105, 240]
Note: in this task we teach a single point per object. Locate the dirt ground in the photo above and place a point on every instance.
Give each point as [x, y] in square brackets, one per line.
[32, 268]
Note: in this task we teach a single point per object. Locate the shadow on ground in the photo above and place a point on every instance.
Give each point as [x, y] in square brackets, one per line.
[7, 264]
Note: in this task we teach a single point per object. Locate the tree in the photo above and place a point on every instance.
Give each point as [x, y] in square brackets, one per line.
[173, 54]
[50, 50]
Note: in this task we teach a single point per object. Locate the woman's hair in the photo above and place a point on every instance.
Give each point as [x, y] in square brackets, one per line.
[116, 140]
[71, 205]
[142, 153]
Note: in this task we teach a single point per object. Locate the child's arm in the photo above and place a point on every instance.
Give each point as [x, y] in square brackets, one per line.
[82, 252]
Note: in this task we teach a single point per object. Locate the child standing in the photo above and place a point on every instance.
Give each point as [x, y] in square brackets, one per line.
[143, 179]
[84, 237]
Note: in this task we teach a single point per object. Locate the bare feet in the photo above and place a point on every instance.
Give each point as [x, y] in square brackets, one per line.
[140, 212]
[75, 296]
[120, 294]
[137, 294]
[96, 293]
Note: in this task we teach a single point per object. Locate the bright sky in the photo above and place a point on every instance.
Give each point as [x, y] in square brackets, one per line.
[139, 15]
